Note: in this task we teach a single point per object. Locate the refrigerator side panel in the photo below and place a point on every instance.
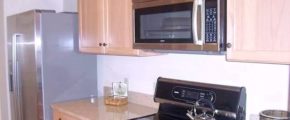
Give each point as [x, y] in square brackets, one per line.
[22, 67]
[67, 74]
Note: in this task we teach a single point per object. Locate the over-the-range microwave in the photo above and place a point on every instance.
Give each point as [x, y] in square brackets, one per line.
[187, 25]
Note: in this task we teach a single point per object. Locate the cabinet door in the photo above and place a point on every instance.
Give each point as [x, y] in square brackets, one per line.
[119, 27]
[67, 117]
[62, 116]
[91, 25]
[259, 31]
[56, 115]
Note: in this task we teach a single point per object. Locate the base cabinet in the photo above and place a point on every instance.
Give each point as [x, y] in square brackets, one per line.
[57, 115]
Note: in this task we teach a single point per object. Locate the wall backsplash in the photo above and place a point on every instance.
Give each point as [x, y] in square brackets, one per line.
[266, 84]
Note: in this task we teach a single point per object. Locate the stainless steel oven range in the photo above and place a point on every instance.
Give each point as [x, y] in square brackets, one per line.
[184, 100]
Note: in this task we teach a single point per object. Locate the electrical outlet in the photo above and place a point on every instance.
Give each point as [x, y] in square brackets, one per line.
[154, 86]
[126, 80]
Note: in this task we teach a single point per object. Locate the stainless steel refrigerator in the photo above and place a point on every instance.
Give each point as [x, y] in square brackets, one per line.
[44, 64]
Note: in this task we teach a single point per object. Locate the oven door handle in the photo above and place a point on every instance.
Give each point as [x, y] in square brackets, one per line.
[197, 22]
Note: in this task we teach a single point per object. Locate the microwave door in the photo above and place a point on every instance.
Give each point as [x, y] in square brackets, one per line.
[191, 25]
[165, 24]
[167, 27]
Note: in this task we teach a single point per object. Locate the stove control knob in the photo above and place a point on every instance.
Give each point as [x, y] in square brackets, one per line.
[210, 98]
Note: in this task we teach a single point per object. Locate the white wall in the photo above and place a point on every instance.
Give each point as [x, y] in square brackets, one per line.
[17, 6]
[266, 84]
[1, 52]
[70, 5]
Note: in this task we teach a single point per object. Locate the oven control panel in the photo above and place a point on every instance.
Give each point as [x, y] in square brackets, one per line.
[186, 93]
[191, 94]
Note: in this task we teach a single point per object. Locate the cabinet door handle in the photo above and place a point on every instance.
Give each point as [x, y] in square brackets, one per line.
[100, 44]
[105, 44]
[59, 118]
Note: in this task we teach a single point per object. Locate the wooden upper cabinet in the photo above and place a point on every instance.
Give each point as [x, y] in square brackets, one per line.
[105, 27]
[91, 25]
[119, 27]
[259, 31]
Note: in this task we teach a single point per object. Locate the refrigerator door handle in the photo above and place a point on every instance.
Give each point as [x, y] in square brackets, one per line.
[17, 81]
[11, 85]
[15, 74]
[14, 52]
[12, 64]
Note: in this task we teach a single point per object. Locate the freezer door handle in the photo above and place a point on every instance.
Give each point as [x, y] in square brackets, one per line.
[11, 85]
[15, 82]
[14, 58]
[14, 76]
[13, 72]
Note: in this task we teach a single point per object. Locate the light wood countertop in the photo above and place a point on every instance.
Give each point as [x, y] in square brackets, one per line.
[85, 110]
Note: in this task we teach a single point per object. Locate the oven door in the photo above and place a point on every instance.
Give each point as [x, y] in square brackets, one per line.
[170, 26]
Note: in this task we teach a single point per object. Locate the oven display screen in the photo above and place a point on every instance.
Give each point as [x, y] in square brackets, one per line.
[192, 95]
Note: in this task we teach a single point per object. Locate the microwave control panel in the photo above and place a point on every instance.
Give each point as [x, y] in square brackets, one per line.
[211, 21]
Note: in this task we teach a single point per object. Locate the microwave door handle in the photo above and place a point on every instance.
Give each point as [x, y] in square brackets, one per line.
[197, 22]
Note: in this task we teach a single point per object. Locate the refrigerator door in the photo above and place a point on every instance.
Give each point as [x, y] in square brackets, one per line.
[24, 76]
[67, 74]
[44, 65]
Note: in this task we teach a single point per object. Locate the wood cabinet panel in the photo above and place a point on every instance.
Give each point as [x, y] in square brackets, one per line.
[119, 27]
[259, 31]
[154, 3]
[57, 115]
[105, 27]
[91, 25]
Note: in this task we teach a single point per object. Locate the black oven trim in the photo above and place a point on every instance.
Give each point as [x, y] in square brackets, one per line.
[160, 9]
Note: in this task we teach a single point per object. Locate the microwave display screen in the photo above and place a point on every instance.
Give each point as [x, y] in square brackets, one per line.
[170, 25]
